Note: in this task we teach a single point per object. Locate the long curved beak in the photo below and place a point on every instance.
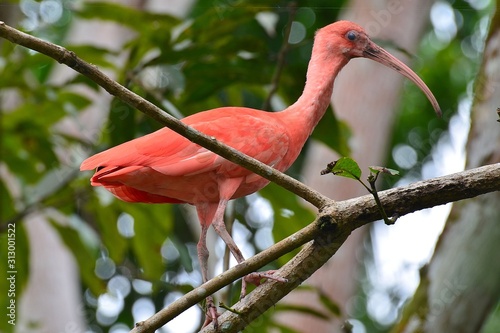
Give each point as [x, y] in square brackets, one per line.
[378, 54]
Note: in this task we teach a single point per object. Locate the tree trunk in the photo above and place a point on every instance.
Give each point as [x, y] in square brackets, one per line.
[364, 96]
[461, 284]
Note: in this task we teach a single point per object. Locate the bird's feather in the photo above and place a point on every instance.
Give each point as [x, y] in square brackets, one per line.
[171, 154]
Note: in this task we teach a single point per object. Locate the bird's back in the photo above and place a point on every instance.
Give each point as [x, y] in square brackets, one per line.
[166, 167]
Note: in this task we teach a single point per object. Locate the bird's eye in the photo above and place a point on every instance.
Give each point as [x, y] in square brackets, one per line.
[351, 35]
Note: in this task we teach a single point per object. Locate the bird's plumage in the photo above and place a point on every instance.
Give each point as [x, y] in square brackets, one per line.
[165, 164]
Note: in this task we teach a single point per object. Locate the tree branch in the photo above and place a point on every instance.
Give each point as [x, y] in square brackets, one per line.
[329, 231]
[70, 59]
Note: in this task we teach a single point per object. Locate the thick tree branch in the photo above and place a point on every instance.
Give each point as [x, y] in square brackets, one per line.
[329, 231]
[70, 59]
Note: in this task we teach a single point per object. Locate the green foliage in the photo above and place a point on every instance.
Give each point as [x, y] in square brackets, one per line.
[153, 226]
[492, 323]
[6, 204]
[375, 170]
[344, 167]
[105, 218]
[82, 251]
[448, 70]
[289, 214]
[141, 21]
[93, 55]
[334, 133]
[121, 122]
[349, 168]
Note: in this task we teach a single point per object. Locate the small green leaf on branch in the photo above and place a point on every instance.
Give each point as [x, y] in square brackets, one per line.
[344, 167]
[347, 167]
[379, 169]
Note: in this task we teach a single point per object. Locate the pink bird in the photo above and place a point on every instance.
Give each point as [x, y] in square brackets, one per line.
[165, 167]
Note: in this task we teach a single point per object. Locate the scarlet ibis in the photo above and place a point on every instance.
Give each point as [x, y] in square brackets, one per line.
[165, 167]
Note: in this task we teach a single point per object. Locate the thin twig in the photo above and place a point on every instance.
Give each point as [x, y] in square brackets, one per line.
[372, 180]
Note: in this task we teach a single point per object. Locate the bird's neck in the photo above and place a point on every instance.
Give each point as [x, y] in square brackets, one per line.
[312, 104]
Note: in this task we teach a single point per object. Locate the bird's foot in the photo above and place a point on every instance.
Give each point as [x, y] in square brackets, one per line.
[211, 313]
[256, 279]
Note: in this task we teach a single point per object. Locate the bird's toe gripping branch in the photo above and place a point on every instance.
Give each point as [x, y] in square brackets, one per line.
[256, 279]
[211, 313]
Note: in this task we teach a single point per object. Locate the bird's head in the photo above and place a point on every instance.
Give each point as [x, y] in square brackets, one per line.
[345, 38]
[350, 40]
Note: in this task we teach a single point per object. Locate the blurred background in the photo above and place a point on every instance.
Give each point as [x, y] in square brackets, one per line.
[87, 262]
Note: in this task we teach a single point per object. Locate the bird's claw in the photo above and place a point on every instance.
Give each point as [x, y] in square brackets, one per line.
[211, 313]
[253, 278]
[256, 279]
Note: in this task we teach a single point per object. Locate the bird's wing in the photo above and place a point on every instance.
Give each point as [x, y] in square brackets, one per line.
[249, 131]
[254, 133]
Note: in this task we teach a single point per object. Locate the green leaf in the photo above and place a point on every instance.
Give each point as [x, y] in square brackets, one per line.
[221, 73]
[329, 304]
[344, 167]
[282, 328]
[105, 217]
[325, 300]
[71, 101]
[152, 226]
[19, 161]
[121, 122]
[185, 258]
[378, 169]
[84, 255]
[6, 204]
[302, 309]
[28, 149]
[492, 323]
[333, 132]
[142, 21]
[92, 54]
[289, 214]
[80, 79]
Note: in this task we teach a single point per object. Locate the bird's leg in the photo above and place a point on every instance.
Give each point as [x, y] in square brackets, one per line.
[211, 311]
[220, 229]
[254, 278]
